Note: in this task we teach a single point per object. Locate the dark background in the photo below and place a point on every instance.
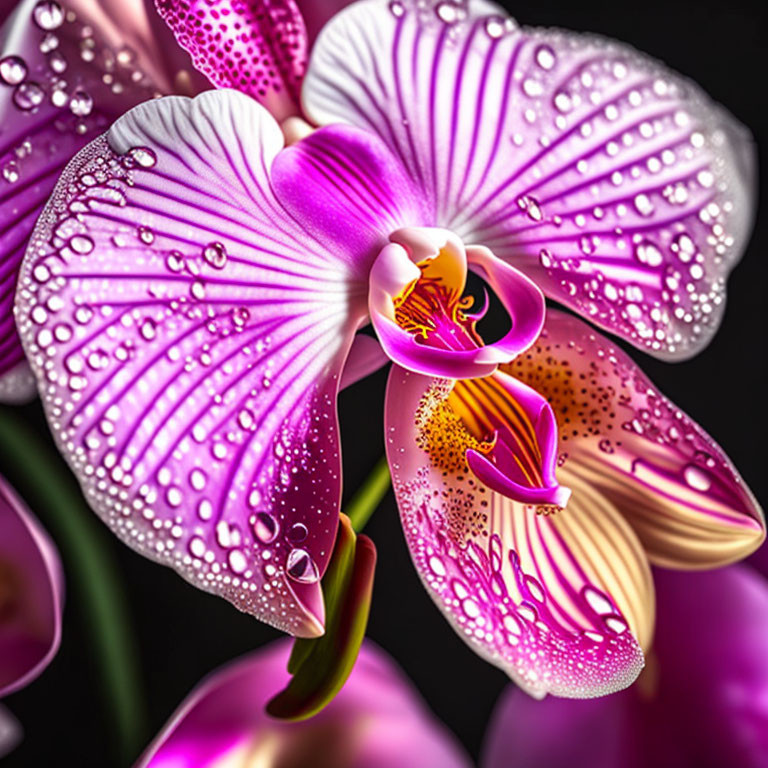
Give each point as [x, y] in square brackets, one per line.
[183, 633]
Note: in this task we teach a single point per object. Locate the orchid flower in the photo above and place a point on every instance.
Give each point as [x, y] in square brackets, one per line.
[191, 295]
[377, 720]
[67, 70]
[31, 601]
[700, 702]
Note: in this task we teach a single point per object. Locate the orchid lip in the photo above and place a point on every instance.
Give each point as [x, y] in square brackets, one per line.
[423, 320]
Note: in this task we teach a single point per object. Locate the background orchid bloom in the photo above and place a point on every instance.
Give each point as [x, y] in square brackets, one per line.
[376, 721]
[31, 602]
[67, 70]
[191, 295]
[700, 702]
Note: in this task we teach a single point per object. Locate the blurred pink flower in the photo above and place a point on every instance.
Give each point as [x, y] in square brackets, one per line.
[702, 701]
[31, 601]
[378, 720]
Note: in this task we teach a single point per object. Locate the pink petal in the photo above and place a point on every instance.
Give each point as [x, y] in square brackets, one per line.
[31, 595]
[613, 182]
[365, 357]
[258, 48]
[188, 339]
[702, 701]
[316, 14]
[54, 100]
[669, 478]
[557, 601]
[378, 720]
[10, 732]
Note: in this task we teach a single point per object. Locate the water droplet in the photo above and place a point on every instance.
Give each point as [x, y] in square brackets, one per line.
[545, 57]
[81, 244]
[297, 533]
[13, 69]
[449, 12]
[11, 172]
[143, 156]
[48, 15]
[597, 601]
[28, 95]
[301, 567]
[495, 27]
[196, 547]
[647, 253]
[49, 43]
[148, 329]
[237, 561]
[437, 566]
[58, 64]
[531, 207]
[146, 235]
[643, 205]
[265, 527]
[697, 478]
[81, 103]
[215, 255]
[396, 9]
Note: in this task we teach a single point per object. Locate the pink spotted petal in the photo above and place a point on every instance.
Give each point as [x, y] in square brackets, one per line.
[259, 48]
[376, 721]
[188, 337]
[31, 595]
[562, 603]
[701, 702]
[613, 182]
[669, 478]
[55, 62]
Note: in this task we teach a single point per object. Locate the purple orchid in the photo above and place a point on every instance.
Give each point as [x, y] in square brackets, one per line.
[190, 299]
[31, 600]
[376, 721]
[702, 701]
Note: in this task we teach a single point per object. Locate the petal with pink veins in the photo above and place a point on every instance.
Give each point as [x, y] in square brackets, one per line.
[562, 602]
[669, 478]
[377, 720]
[31, 595]
[66, 71]
[258, 48]
[613, 182]
[188, 337]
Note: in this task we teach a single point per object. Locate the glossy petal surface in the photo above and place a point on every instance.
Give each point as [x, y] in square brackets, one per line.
[31, 595]
[377, 720]
[259, 48]
[188, 336]
[553, 600]
[700, 704]
[613, 182]
[63, 78]
[669, 478]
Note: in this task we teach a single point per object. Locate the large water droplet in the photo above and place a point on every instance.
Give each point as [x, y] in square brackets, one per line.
[81, 103]
[13, 69]
[697, 478]
[215, 255]
[48, 15]
[301, 567]
[265, 527]
[81, 244]
[28, 95]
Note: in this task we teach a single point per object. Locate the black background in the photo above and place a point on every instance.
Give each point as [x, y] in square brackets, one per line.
[183, 633]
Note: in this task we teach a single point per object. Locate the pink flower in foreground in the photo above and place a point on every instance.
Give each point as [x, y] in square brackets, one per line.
[376, 721]
[31, 600]
[191, 295]
[702, 702]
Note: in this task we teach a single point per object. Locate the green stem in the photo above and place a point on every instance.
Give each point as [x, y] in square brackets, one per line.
[46, 483]
[369, 495]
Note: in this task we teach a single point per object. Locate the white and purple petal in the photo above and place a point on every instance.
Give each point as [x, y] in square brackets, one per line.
[66, 71]
[670, 479]
[612, 181]
[561, 602]
[188, 337]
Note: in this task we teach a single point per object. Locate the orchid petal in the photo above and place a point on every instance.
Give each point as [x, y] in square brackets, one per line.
[258, 48]
[31, 595]
[188, 337]
[10, 732]
[54, 99]
[365, 357]
[669, 478]
[701, 702]
[376, 721]
[316, 14]
[558, 601]
[617, 185]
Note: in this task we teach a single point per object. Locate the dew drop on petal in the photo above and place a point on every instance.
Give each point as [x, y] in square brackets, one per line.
[13, 69]
[48, 15]
[297, 533]
[301, 567]
[28, 95]
[697, 478]
[265, 527]
[215, 255]
[81, 103]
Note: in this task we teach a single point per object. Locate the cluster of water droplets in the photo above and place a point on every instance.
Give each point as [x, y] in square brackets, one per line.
[452, 525]
[169, 405]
